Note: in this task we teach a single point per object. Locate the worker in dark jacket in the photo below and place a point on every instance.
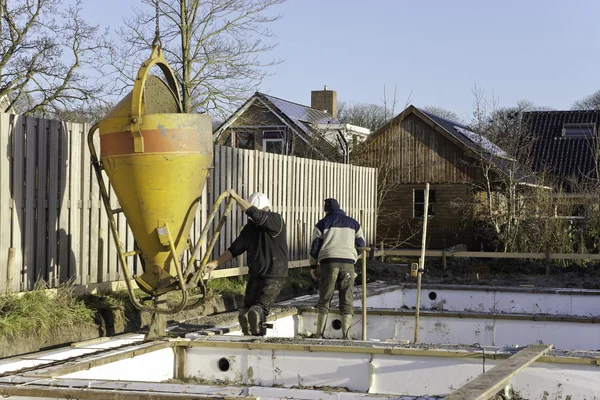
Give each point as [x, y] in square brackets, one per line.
[333, 249]
[264, 238]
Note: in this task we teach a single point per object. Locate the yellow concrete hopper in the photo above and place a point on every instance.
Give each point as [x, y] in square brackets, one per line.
[156, 159]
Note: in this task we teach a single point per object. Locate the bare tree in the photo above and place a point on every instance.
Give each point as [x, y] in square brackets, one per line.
[44, 49]
[443, 113]
[591, 102]
[381, 151]
[215, 47]
[516, 209]
[371, 116]
[500, 141]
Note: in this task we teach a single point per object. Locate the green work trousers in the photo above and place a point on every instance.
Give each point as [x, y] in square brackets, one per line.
[338, 276]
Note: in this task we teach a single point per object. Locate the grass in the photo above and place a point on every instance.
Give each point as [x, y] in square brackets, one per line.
[40, 313]
[227, 286]
[299, 278]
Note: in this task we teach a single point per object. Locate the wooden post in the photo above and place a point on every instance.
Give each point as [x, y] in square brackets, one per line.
[364, 294]
[421, 262]
[382, 252]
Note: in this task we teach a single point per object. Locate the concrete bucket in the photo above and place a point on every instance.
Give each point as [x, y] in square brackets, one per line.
[156, 159]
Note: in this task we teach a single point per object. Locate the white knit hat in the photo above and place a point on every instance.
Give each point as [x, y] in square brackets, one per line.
[259, 200]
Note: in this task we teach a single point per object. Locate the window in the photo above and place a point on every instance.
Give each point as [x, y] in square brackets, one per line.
[273, 142]
[419, 203]
[244, 140]
[578, 130]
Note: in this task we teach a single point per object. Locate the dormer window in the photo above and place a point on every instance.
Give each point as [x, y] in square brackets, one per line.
[273, 142]
[578, 130]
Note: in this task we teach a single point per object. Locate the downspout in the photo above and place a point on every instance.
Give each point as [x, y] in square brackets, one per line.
[345, 147]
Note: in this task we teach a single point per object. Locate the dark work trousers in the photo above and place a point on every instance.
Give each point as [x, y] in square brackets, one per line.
[338, 276]
[262, 292]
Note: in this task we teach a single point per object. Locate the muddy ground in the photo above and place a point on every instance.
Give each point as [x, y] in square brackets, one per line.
[495, 272]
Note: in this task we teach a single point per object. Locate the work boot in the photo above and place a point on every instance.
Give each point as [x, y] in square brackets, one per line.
[321, 321]
[346, 325]
[243, 320]
[255, 319]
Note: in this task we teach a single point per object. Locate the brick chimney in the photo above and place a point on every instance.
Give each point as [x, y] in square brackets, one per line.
[324, 100]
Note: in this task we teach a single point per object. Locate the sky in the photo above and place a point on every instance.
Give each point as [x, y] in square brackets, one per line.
[431, 52]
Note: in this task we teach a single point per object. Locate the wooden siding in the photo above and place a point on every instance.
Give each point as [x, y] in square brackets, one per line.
[409, 153]
[452, 223]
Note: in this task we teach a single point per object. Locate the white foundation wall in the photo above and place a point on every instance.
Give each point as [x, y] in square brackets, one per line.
[560, 381]
[560, 302]
[156, 366]
[453, 330]
[402, 375]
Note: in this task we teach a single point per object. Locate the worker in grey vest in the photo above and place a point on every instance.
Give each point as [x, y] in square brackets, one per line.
[333, 250]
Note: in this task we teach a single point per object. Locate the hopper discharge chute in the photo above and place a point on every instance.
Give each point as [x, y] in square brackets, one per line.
[157, 160]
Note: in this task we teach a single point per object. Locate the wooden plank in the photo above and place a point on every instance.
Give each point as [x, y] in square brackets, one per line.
[113, 273]
[65, 253]
[42, 201]
[5, 200]
[222, 187]
[491, 382]
[240, 271]
[31, 271]
[302, 211]
[477, 254]
[229, 184]
[17, 187]
[106, 246]
[87, 252]
[75, 234]
[285, 165]
[53, 198]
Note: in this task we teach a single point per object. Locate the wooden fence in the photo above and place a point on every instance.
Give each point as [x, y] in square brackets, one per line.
[53, 226]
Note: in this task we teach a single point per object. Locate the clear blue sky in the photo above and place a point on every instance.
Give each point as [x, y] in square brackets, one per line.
[543, 51]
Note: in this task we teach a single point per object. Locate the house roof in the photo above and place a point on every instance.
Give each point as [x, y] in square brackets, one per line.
[467, 137]
[561, 155]
[305, 120]
[472, 142]
[480, 144]
[301, 116]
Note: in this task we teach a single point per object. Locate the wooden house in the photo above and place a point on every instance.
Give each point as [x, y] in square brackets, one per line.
[271, 124]
[417, 147]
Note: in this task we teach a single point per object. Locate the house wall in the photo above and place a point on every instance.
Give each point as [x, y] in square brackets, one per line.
[255, 119]
[258, 118]
[409, 154]
[452, 223]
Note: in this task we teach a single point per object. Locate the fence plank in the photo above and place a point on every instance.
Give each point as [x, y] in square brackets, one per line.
[31, 274]
[88, 187]
[75, 234]
[5, 201]
[17, 188]
[42, 199]
[64, 207]
[53, 198]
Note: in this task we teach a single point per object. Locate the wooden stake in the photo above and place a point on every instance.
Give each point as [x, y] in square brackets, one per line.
[364, 294]
[421, 262]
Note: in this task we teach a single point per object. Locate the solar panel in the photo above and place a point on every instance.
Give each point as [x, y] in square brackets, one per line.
[300, 114]
[483, 142]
